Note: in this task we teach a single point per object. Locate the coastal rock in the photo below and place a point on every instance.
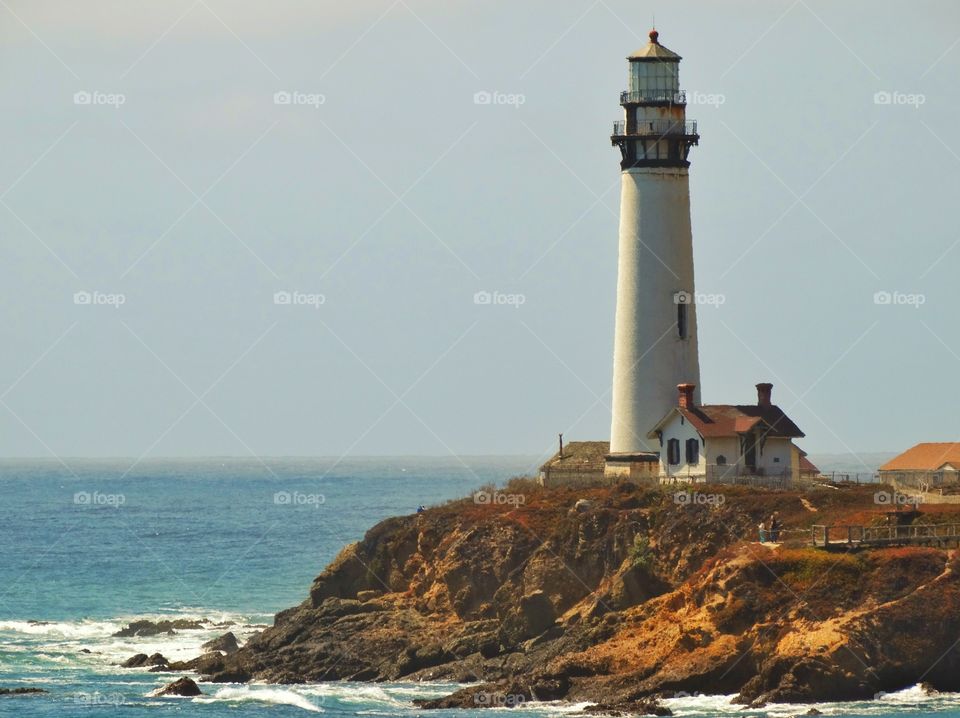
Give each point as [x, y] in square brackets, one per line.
[537, 612]
[154, 628]
[636, 598]
[142, 659]
[180, 687]
[205, 663]
[503, 694]
[646, 707]
[21, 691]
[227, 643]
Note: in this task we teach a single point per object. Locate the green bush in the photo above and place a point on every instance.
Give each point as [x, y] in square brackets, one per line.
[640, 553]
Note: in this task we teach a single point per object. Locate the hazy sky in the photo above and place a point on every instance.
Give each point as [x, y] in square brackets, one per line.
[384, 190]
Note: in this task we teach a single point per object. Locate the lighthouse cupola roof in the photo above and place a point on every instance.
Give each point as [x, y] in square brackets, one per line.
[654, 51]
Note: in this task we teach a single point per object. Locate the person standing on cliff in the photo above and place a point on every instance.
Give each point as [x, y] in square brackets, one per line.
[775, 526]
[764, 527]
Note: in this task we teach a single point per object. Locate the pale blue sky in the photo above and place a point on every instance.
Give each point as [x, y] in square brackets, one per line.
[398, 198]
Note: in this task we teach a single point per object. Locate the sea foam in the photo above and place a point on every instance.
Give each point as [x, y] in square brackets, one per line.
[261, 694]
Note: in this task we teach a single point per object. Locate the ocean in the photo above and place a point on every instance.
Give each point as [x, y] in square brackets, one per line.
[89, 547]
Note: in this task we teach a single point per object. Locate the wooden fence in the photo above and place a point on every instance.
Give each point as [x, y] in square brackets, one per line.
[867, 536]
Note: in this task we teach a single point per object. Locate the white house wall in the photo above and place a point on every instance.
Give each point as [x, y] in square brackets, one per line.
[679, 428]
[775, 456]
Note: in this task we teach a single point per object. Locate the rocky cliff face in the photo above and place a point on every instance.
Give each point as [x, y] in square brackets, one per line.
[626, 595]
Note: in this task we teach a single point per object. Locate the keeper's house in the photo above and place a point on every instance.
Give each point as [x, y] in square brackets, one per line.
[717, 443]
[748, 443]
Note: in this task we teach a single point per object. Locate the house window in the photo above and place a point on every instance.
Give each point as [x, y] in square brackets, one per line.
[721, 460]
[673, 452]
[682, 320]
[693, 451]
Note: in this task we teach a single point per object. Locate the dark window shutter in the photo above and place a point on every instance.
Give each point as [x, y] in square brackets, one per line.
[673, 451]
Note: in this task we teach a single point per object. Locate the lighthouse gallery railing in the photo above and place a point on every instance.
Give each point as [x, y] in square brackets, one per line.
[677, 98]
[656, 128]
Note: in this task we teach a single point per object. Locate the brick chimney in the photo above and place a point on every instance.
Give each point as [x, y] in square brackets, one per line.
[685, 395]
[763, 394]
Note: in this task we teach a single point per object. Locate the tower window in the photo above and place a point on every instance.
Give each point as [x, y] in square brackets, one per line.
[682, 320]
[693, 451]
[673, 452]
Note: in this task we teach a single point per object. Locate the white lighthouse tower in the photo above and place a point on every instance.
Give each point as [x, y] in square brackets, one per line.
[655, 344]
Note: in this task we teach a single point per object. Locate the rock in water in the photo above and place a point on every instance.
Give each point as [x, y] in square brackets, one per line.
[180, 687]
[226, 643]
[21, 691]
[645, 707]
[154, 628]
[135, 661]
[142, 659]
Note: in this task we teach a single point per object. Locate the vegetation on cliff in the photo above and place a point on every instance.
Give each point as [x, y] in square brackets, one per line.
[618, 594]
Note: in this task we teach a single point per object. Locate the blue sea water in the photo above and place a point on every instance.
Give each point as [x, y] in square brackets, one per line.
[89, 546]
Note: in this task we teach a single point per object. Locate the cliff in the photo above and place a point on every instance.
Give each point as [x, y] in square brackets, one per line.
[626, 595]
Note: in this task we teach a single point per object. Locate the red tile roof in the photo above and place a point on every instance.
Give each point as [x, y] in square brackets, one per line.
[925, 457]
[716, 420]
[807, 466]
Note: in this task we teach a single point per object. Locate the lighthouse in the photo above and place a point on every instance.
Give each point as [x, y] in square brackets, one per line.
[655, 342]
